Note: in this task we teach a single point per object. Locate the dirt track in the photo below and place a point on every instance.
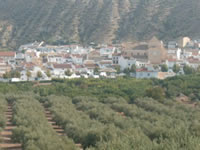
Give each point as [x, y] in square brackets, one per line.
[6, 134]
[57, 128]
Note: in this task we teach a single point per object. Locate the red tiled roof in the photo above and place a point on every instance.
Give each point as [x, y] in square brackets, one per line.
[28, 65]
[94, 53]
[117, 54]
[7, 54]
[78, 66]
[143, 70]
[106, 62]
[195, 53]
[89, 62]
[92, 66]
[62, 66]
[77, 55]
[194, 60]
[5, 66]
[67, 56]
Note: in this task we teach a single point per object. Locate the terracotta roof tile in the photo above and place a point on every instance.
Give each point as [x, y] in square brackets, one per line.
[62, 66]
[7, 54]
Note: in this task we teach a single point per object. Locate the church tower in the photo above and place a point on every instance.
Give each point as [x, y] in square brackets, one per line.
[156, 51]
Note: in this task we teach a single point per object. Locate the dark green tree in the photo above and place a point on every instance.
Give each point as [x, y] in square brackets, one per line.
[198, 70]
[96, 70]
[156, 93]
[28, 74]
[17, 74]
[118, 69]
[133, 68]
[68, 73]
[164, 68]
[155, 67]
[39, 74]
[188, 70]
[127, 71]
[48, 73]
[6, 75]
[176, 68]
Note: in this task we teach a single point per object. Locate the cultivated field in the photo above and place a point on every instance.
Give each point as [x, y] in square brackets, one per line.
[63, 123]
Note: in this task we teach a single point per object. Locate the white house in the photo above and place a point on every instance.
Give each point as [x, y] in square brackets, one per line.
[59, 59]
[59, 69]
[141, 64]
[115, 58]
[36, 70]
[8, 57]
[19, 58]
[186, 54]
[90, 65]
[30, 55]
[176, 53]
[126, 62]
[194, 62]
[75, 49]
[77, 59]
[4, 68]
[79, 68]
[105, 63]
[172, 45]
[23, 75]
[145, 73]
[108, 72]
[107, 52]
[170, 62]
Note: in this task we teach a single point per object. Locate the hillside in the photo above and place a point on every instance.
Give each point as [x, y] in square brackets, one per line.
[84, 21]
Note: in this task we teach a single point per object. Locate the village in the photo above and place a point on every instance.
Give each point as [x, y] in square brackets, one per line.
[153, 59]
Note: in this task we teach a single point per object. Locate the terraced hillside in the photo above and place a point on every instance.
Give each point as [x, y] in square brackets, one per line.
[84, 21]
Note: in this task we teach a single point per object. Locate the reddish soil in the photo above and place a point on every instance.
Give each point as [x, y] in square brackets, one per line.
[186, 101]
[49, 117]
[59, 130]
[6, 134]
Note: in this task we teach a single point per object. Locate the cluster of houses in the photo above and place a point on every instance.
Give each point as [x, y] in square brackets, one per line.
[38, 61]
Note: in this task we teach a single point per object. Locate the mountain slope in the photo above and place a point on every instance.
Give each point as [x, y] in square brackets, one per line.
[84, 21]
